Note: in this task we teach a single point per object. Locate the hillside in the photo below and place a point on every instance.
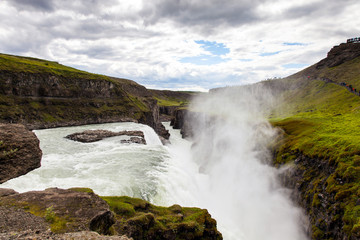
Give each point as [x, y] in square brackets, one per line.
[321, 123]
[42, 94]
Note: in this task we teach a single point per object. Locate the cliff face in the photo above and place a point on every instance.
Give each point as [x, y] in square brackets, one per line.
[340, 54]
[49, 85]
[321, 205]
[19, 151]
[42, 94]
[183, 119]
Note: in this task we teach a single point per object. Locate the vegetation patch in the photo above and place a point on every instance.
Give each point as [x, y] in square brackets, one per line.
[321, 125]
[139, 219]
[13, 63]
[170, 102]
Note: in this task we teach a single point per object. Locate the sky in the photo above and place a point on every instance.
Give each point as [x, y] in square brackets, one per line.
[179, 44]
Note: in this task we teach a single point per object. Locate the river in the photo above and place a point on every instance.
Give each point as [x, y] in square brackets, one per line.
[240, 195]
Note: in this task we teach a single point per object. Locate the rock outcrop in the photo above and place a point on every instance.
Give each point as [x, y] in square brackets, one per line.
[74, 213]
[19, 151]
[139, 219]
[321, 207]
[83, 235]
[182, 121]
[167, 113]
[340, 54]
[97, 135]
[63, 210]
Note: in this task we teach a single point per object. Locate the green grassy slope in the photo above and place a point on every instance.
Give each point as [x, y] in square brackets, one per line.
[168, 98]
[42, 93]
[141, 220]
[34, 65]
[322, 122]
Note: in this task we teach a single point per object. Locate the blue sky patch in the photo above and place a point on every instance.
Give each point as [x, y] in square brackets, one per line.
[214, 48]
[215, 51]
[295, 65]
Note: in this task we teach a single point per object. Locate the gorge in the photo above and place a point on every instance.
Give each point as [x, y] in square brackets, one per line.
[304, 126]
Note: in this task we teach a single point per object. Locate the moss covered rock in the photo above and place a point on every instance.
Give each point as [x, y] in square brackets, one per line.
[79, 209]
[139, 219]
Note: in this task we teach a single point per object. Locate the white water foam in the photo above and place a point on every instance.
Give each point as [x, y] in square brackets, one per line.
[106, 166]
[228, 170]
[225, 172]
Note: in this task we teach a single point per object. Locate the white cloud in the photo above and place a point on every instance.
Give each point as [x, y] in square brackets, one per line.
[146, 40]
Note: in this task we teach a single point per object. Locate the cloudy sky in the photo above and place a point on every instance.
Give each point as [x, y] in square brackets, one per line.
[179, 44]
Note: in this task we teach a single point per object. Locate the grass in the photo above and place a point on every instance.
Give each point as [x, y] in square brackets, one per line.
[57, 224]
[6, 151]
[33, 65]
[137, 215]
[170, 102]
[322, 121]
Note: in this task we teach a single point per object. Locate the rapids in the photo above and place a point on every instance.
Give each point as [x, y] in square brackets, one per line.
[241, 195]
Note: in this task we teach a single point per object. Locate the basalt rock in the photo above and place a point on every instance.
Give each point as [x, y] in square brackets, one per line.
[182, 120]
[83, 235]
[73, 213]
[19, 151]
[137, 140]
[323, 207]
[167, 113]
[340, 54]
[139, 219]
[97, 135]
[70, 210]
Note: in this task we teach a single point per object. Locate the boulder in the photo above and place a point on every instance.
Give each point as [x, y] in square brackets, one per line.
[19, 151]
[70, 210]
[340, 54]
[97, 135]
[83, 235]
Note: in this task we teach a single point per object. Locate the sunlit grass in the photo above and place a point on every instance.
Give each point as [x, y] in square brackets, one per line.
[322, 121]
[34, 65]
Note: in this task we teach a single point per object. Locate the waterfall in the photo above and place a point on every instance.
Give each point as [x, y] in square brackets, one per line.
[225, 168]
[228, 169]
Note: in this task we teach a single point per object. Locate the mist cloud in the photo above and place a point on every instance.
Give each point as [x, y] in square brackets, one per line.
[228, 170]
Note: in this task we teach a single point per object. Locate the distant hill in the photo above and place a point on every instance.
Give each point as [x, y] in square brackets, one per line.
[42, 94]
[320, 117]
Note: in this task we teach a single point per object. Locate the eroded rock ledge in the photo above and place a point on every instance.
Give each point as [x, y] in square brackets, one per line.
[97, 135]
[63, 214]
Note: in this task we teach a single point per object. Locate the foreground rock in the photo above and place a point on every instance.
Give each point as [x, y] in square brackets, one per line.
[19, 151]
[139, 219]
[62, 210]
[97, 135]
[84, 235]
[76, 213]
